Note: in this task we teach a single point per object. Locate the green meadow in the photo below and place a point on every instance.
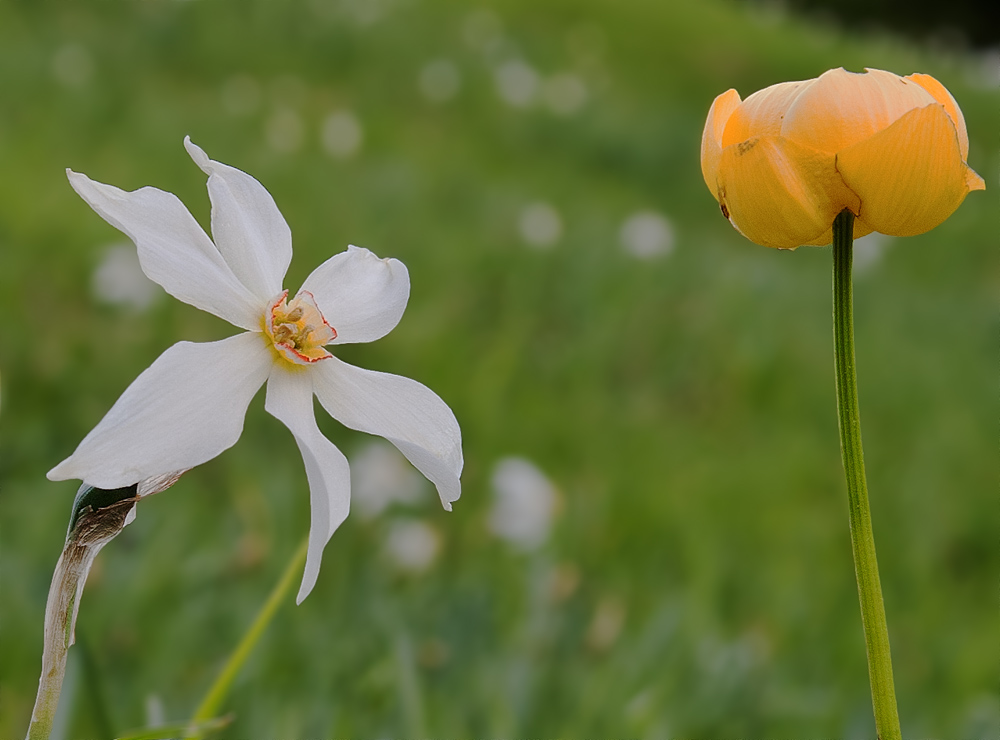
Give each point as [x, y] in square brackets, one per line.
[579, 302]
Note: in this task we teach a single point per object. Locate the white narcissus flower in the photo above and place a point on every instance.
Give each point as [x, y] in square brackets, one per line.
[189, 405]
[525, 504]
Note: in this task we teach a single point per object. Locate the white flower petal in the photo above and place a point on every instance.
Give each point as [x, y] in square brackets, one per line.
[290, 399]
[173, 249]
[247, 226]
[361, 296]
[183, 410]
[406, 413]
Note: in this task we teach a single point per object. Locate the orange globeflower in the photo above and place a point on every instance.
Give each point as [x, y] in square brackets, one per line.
[785, 161]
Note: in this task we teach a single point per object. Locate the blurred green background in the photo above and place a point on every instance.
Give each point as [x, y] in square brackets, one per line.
[579, 302]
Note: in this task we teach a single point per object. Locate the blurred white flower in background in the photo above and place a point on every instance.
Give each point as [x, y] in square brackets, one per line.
[869, 250]
[732, 661]
[564, 93]
[119, 280]
[439, 80]
[587, 43]
[981, 716]
[284, 131]
[482, 30]
[288, 91]
[73, 65]
[380, 476]
[156, 715]
[342, 134]
[517, 83]
[647, 234]
[412, 545]
[367, 12]
[524, 503]
[984, 73]
[540, 224]
[241, 95]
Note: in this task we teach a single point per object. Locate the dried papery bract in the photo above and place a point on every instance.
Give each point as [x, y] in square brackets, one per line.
[97, 517]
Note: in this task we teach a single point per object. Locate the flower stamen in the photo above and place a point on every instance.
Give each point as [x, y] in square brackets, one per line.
[298, 329]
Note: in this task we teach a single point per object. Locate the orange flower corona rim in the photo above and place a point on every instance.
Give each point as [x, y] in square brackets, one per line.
[785, 161]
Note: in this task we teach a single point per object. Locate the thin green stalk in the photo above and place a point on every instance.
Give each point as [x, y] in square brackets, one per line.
[176, 729]
[217, 693]
[862, 538]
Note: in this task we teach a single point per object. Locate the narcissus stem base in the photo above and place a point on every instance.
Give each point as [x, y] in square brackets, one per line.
[98, 515]
[862, 538]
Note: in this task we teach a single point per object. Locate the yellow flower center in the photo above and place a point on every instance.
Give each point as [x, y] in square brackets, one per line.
[298, 329]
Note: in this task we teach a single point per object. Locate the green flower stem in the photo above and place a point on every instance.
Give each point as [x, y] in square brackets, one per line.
[176, 729]
[862, 538]
[217, 693]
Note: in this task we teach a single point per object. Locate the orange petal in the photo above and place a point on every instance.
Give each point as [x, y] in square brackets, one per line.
[941, 94]
[842, 108]
[780, 194]
[909, 177]
[711, 139]
[761, 113]
[973, 180]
